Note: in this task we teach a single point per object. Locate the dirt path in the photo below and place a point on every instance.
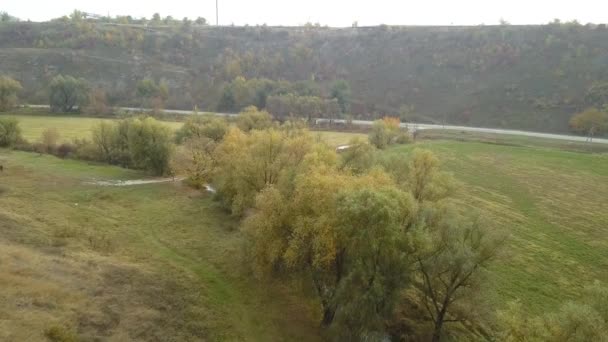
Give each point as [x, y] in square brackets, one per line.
[132, 182]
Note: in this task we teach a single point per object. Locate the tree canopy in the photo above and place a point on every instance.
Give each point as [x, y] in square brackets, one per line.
[67, 94]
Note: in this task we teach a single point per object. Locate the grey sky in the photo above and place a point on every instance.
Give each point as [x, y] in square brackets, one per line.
[329, 12]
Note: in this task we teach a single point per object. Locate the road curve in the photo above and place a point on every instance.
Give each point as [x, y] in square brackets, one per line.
[413, 126]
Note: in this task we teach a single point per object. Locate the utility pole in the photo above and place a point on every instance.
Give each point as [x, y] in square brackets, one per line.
[217, 15]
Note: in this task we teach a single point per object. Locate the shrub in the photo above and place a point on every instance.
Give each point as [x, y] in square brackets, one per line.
[48, 140]
[252, 118]
[10, 132]
[64, 150]
[137, 143]
[202, 126]
[58, 333]
[385, 132]
[403, 138]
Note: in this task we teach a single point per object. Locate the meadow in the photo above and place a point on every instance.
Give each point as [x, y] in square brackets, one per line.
[550, 202]
[150, 262]
[68, 126]
[163, 260]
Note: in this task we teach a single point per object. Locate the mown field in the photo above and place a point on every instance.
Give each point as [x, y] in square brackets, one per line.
[69, 127]
[552, 203]
[158, 262]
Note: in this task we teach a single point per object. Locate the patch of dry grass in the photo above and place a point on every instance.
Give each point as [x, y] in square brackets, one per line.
[152, 263]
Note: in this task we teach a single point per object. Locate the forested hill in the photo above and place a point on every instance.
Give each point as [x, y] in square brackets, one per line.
[526, 77]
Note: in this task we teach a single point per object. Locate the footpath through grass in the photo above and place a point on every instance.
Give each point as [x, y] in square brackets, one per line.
[148, 262]
[552, 203]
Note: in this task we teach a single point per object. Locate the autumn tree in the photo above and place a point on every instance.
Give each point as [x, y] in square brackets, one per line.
[67, 94]
[249, 162]
[195, 158]
[251, 118]
[9, 88]
[425, 179]
[202, 126]
[342, 232]
[591, 122]
[385, 132]
[358, 156]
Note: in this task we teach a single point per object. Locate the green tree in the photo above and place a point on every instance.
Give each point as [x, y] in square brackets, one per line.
[591, 122]
[227, 102]
[5, 17]
[378, 135]
[340, 91]
[374, 261]
[67, 94]
[9, 88]
[152, 94]
[10, 132]
[150, 145]
[451, 252]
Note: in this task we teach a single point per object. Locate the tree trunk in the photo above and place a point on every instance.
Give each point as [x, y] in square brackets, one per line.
[438, 325]
[328, 316]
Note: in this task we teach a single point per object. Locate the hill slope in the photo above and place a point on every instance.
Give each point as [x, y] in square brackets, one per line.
[527, 77]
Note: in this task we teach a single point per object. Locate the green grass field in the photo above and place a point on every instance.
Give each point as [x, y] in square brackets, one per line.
[150, 262]
[551, 202]
[69, 127]
[175, 245]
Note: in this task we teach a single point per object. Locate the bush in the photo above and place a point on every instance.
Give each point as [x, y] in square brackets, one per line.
[10, 132]
[386, 132]
[251, 118]
[60, 334]
[202, 126]
[64, 150]
[137, 143]
[403, 138]
[48, 140]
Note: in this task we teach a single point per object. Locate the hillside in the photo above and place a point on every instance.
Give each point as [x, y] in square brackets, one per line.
[524, 77]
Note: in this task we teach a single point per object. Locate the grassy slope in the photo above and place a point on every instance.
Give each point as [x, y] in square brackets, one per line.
[69, 127]
[152, 262]
[553, 205]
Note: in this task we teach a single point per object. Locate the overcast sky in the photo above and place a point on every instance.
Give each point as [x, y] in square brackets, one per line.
[328, 12]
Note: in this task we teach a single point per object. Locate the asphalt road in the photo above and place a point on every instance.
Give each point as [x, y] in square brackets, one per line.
[415, 126]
